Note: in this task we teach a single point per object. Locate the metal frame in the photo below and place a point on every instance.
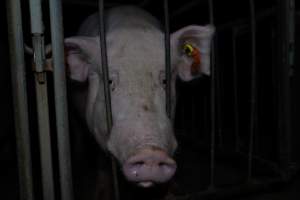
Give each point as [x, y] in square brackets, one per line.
[107, 95]
[286, 56]
[20, 99]
[253, 114]
[286, 11]
[14, 17]
[105, 73]
[167, 58]
[42, 99]
[61, 106]
[213, 109]
[286, 52]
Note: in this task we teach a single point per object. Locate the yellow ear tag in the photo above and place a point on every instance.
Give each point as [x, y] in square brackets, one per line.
[188, 49]
[195, 54]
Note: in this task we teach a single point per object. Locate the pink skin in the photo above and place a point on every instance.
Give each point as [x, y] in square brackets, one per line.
[149, 166]
[135, 47]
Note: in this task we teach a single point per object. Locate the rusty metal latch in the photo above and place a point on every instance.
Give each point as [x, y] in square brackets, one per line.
[39, 64]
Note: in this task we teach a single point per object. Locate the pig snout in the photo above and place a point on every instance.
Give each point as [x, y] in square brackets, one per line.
[148, 167]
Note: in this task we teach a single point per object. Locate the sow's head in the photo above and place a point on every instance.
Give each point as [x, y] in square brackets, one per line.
[142, 137]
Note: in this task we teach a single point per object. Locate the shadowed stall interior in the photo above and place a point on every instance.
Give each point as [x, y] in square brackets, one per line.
[276, 150]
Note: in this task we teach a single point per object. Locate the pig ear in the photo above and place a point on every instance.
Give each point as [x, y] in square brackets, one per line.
[198, 38]
[78, 57]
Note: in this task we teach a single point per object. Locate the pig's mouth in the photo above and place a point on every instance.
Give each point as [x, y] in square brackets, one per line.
[146, 184]
[149, 167]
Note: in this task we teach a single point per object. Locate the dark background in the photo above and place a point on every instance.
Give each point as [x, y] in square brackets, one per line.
[193, 117]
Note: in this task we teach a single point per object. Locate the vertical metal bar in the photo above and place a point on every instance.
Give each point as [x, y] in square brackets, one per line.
[36, 16]
[44, 138]
[253, 112]
[286, 60]
[235, 90]
[42, 99]
[215, 82]
[61, 107]
[15, 33]
[105, 72]
[167, 58]
[213, 104]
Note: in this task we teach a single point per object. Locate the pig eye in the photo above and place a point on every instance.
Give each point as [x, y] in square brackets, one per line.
[112, 85]
[113, 81]
[162, 79]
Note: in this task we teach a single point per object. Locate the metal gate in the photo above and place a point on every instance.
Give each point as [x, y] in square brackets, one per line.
[228, 128]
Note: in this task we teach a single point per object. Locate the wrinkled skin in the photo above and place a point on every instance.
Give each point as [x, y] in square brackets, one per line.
[142, 138]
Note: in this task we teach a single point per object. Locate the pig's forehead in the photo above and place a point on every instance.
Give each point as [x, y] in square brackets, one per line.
[141, 50]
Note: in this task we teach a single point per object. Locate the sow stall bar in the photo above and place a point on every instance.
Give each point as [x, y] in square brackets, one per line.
[105, 74]
[42, 99]
[285, 17]
[20, 100]
[62, 123]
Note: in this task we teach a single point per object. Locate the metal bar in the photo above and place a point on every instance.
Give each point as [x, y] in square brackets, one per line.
[44, 137]
[185, 8]
[242, 22]
[219, 94]
[216, 82]
[286, 60]
[213, 104]
[253, 112]
[272, 165]
[235, 90]
[167, 58]
[91, 4]
[144, 3]
[36, 16]
[234, 191]
[17, 62]
[42, 99]
[61, 106]
[105, 72]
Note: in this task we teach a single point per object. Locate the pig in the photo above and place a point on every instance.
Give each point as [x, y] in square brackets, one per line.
[142, 137]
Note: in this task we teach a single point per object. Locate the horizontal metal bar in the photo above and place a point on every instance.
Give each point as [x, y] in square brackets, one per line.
[185, 8]
[268, 163]
[234, 191]
[245, 21]
[144, 3]
[19, 92]
[91, 3]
